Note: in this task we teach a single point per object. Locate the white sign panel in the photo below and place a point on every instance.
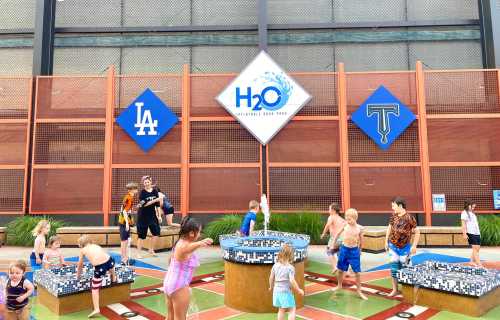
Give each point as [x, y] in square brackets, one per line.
[438, 202]
[263, 98]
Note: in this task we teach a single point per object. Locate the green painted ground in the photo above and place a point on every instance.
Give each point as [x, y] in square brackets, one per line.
[145, 281]
[262, 316]
[348, 303]
[318, 267]
[493, 314]
[386, 282]
[211, 267]
[41, 312]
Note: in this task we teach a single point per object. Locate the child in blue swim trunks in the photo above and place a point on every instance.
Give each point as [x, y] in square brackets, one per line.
[350, 250]
[281, 280]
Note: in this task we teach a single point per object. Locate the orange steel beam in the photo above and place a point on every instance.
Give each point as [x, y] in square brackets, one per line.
[268, 187]
[44, 212]
[12, 166]
[185, 137]
[68, 166]
[225, 165]
[466, 164]
[213, 118]
[21, 121]
[383, 164]
[475, 211]
[498, 84]
[296, 118]
[304, 164]
[464, 116]
[108, 144]
[424, 145]
[27, 148]
[146, 165]
[343, 137]
[34, 144]
[71, 120]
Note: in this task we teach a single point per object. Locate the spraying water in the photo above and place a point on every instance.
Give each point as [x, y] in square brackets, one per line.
[193, 308]
[265, 210]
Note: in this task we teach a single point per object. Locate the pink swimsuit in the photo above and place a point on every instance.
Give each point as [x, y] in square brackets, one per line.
[180, 273]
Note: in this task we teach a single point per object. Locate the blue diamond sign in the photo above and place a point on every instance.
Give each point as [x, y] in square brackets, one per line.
[147, 119]
[383, 117]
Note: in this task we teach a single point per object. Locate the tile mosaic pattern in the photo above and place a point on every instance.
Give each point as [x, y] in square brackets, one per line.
[454, 278]
[63, 281]
[262, 248]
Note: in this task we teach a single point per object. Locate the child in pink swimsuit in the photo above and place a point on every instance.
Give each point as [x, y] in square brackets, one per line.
[182, 265]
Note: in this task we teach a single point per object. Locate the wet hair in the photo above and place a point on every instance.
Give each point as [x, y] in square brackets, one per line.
[253, 205]
[335, 207]
[84, 240]
[132, 186]
[188, 225]
[399, 201]
[20, 264]
[40, 225]
[286, 254]
[53, 239]
[352, 212]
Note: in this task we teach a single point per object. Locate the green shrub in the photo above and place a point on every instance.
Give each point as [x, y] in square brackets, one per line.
[224, 225]
[489, 226]
[19, 230]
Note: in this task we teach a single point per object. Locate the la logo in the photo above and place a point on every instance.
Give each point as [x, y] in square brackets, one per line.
[145, 121]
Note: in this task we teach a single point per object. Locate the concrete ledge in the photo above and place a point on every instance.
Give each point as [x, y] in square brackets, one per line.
[166, 240]
[103, 236]
[3, 236]
[374, 238]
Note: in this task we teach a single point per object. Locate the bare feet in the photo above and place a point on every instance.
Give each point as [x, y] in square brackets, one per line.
[362, 296]
[152, 253]
[393, 293]
[334, 289]
[94, 313]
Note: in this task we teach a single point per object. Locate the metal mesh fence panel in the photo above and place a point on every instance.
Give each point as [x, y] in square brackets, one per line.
[224, 12]
[13, 143]
[147, 60]
[373, 188]
[167, 87]
[203, 91]
[303, 188]
[85, 60]
[442, 9]
[404, 149]
[71, 97]
[463, 54]
[14, 98]
[458, 184]
[217, 189]
[222, 142]
[361, 85]
[369, 11]
[304, 57]
[166, 150]
[167, 179]
[462, 92]
[463, 139]
[69, 143]
[17, 14]
[16, 61]
[143, 13]
[67, 190]
[11, 190]
[87, 13]
[299, 11]
[373, 56]
[306, 141]
[323, 90]
[221, 59]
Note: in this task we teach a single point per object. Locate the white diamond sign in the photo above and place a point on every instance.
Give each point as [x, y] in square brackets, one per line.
[263, 98]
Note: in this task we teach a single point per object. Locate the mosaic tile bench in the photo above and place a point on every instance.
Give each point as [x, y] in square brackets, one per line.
[262, 248]
[248, 263]
[61, 292]
[453, 287]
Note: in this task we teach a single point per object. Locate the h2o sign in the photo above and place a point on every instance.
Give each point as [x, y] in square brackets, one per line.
[263, 98]
[273, 96]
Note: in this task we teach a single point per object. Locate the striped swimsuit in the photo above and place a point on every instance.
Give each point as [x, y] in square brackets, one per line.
[13, 292]
[180, 273]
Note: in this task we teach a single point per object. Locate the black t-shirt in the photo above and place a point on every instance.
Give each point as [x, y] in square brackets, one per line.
[148, 214]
